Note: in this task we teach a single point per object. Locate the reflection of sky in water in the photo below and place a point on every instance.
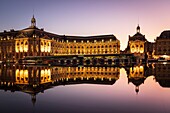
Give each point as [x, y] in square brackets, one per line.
[89, 98]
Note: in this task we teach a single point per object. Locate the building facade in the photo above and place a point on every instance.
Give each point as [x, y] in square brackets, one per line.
[140, 46]
[162, 47]
[32, 41]
[136, 44]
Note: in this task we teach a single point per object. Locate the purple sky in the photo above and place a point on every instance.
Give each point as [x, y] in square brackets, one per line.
[89, 17]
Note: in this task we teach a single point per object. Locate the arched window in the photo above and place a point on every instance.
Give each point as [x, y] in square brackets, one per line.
[26, 43]
[41, 43]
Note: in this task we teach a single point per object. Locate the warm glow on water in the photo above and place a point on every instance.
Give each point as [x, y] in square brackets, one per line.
[120, 92]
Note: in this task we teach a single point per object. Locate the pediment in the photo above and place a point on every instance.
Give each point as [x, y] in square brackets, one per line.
[21, 35]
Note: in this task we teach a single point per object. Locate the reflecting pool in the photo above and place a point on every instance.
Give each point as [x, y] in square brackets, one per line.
[43, 89]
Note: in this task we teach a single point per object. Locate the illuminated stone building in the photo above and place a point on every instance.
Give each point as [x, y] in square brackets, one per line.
[137, 44]
[33, 41]
[162, 47]
[104, 44]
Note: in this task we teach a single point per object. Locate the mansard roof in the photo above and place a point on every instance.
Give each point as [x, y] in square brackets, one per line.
[9, 33]
[164, 35]
[98, 37]
[137, 36]
[30, 31]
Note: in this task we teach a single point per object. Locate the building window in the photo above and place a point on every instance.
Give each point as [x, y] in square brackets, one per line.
[26, 43]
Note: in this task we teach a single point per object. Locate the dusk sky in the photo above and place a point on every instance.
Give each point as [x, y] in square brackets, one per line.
[89, 17]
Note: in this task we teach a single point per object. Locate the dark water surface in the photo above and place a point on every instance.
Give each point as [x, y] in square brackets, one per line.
[36, 89]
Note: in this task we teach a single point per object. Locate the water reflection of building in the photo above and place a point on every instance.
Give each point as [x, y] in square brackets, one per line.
[30, 80]
[138, 74]
[97, 75]
[162, 74]
[33, 80]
